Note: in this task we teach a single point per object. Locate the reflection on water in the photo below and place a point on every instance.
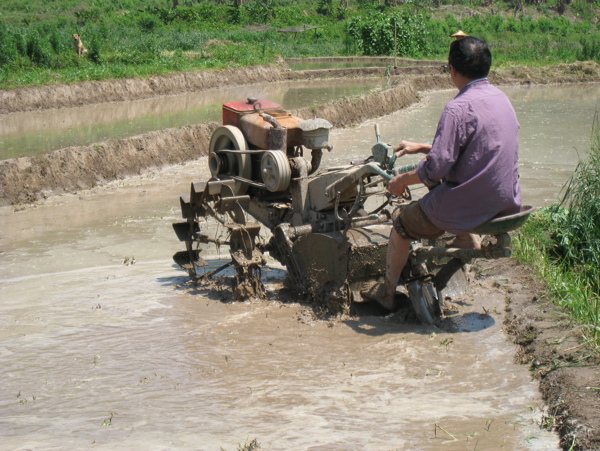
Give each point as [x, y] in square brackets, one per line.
[34, 133]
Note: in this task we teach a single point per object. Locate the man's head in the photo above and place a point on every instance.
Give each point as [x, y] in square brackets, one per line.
[470, 57]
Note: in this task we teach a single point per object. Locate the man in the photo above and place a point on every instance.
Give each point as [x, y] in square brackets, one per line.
[471, 168]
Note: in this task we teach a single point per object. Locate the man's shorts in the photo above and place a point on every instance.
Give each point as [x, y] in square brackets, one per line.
[411, 222]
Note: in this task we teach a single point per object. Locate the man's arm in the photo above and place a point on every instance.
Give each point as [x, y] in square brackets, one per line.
[398, 184]
[411, 148]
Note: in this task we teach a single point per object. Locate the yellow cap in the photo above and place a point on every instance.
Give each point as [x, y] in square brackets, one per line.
[459, 35]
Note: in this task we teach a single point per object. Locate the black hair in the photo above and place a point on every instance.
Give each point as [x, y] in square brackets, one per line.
[471, 57]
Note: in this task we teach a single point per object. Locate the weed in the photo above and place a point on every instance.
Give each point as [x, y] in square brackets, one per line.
[108, 421]
[437, 426]
[252, 446]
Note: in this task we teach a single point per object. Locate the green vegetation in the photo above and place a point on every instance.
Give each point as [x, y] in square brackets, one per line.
[138, 38]
[563, 243]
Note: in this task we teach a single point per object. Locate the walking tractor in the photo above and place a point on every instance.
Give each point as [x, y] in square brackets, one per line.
[329, 227]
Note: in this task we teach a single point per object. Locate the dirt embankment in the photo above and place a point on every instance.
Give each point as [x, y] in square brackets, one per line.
[90, 92]
[87, 93]
[24, 180]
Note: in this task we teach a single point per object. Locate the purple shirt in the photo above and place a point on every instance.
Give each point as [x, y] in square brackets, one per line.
[475, 152]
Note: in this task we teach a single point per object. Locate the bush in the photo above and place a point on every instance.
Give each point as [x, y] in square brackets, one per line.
[581, 236]
[496, 23]
[148, 22]
[452, 22]
[39, 50]
[545, 25]
[8, 46]
[373, 34]
[590, 50]
[94, 53]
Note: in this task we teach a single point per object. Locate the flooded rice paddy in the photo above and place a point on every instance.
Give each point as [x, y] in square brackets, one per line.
[104, 346]
[37, 132]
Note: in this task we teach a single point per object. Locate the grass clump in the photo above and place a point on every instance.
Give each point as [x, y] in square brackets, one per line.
[563, 243]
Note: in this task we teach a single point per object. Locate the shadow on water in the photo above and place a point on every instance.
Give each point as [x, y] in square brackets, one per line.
[375, 321]
[368, 318]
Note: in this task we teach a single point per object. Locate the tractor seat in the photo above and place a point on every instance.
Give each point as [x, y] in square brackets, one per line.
[504, 224]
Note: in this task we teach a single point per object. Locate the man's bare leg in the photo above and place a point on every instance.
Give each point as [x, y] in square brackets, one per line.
[465, 241]
[397, 256]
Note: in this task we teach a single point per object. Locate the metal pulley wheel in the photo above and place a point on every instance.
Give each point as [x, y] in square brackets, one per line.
[275, 170]
[224, 138]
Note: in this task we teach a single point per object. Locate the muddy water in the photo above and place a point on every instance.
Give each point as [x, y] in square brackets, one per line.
[97, 352]
[37, 132]
[313, 65]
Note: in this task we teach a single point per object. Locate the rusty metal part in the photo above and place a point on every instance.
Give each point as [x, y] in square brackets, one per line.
[258, 131]
[500, 249]
[208, 275]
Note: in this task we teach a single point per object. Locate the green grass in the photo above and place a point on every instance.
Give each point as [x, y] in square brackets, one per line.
[562, 242]
[135, 38]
